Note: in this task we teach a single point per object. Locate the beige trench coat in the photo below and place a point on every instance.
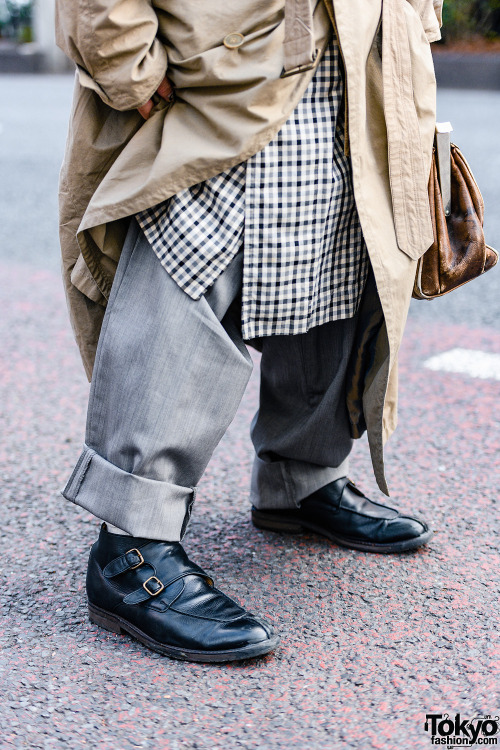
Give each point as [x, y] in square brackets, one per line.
[229, 104]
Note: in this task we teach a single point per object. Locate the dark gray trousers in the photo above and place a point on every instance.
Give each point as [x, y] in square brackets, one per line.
[169, 375]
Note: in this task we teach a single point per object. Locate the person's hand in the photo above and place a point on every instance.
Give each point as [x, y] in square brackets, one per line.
[165, 90]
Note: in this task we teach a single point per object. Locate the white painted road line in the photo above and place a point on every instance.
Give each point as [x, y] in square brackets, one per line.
[476, 364]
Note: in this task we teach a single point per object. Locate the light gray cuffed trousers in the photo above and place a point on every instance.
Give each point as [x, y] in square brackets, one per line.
[169, 375]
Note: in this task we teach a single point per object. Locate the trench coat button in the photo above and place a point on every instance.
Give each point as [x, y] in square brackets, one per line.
[233, 41]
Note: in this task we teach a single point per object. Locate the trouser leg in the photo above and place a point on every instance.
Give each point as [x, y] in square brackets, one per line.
[168, 379]
[301, 433]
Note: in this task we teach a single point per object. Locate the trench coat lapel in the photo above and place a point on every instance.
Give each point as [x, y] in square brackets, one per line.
[407, 169]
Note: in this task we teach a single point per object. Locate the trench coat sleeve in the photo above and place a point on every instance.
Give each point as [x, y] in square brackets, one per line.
[115, 47]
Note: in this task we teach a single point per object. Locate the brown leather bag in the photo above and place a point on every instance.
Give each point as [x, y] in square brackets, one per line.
[459, 252]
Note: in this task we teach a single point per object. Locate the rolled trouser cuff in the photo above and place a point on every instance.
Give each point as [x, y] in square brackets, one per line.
[140, 506]
[283, 484]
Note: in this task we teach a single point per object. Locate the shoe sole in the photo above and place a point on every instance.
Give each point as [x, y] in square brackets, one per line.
[276, 523]
[117, 624]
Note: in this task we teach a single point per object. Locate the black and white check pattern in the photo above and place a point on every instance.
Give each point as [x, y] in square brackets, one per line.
[291, 207]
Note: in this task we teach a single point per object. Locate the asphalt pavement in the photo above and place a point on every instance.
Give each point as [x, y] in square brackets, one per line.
[370, 644]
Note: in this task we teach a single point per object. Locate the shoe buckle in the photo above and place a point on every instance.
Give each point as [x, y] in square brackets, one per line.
[156, 591]
[139, 555]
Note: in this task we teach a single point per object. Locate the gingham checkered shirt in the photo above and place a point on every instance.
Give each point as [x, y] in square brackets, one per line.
[290, 207]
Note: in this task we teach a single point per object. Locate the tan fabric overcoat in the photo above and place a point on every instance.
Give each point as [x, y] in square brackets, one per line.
[230, 102]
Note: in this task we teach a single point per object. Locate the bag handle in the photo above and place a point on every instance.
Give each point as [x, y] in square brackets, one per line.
[443, 154]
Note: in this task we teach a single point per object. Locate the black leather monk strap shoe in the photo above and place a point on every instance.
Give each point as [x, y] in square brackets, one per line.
[152, 591]
[343, 514]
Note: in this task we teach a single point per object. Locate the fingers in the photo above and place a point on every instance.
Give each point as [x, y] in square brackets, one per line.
[145, 110]
[165, 89]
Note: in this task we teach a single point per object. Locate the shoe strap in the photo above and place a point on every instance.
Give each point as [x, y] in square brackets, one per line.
[128, 561]
[153, 586]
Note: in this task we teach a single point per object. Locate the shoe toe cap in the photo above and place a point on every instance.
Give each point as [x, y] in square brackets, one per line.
[246, 631]
[403, 528]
